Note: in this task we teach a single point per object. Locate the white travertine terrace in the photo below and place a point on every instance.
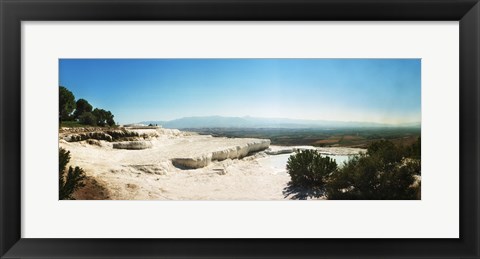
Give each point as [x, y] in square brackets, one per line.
[227, 152]
[179, 165]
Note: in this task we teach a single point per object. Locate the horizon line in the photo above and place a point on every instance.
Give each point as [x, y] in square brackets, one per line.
[280, 118]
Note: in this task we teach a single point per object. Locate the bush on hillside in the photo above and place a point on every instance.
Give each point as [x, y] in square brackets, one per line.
[384, 173]
[69, 180]
[308, 169]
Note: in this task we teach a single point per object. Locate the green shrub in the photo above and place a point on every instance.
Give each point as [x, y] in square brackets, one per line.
[71, 180]
[385, 151]
[308, 169]
[385, 172]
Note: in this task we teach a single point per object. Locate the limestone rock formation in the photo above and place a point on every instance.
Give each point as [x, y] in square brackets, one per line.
[132, 145]
[233, 152]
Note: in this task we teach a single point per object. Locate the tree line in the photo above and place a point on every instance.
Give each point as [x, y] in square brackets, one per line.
[82, 111]
[385, 172]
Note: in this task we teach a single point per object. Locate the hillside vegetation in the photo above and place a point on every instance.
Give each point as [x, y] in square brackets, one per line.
[386, 172]
[80, 113]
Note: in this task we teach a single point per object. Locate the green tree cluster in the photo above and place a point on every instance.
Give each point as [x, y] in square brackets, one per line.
[385, 172]
[82, 107]
[82, 111]
[69, 180]
[67, 104]
[103, 117]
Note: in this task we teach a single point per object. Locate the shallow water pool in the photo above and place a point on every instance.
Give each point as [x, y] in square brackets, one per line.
[279, 162]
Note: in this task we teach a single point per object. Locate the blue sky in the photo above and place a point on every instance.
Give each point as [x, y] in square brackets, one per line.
[370, 90]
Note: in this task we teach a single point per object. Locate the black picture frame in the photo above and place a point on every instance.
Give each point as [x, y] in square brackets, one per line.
[13, 12]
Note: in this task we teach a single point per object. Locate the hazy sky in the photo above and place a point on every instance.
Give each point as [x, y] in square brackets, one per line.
[372, 90]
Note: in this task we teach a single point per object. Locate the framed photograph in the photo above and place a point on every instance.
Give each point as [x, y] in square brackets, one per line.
[239, 129]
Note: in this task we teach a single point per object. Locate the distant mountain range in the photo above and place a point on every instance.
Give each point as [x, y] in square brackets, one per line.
[253, 122]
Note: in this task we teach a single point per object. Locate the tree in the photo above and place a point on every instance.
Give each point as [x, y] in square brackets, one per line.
[82, 106]
[110, 120]
[103, 117]
[71, 180]
[67, 103]
[384, 173]
[309, 169]
[88, 118]
[83, 110]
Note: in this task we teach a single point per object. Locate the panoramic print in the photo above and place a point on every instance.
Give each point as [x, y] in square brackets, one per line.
[239, 129]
